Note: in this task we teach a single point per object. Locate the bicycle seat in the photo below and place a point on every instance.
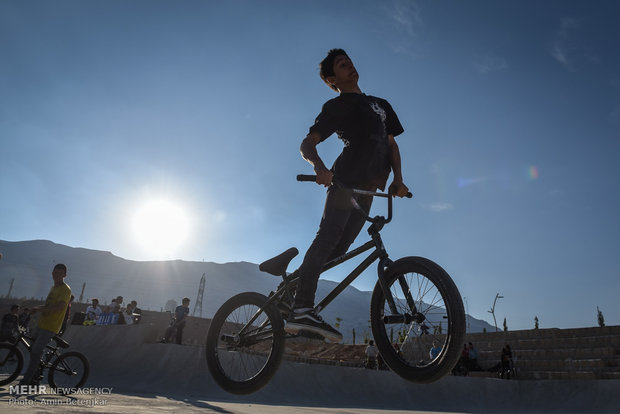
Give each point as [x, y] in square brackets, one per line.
[277, 265]
[61, 343]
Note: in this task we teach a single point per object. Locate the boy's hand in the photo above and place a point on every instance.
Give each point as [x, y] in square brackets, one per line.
[324, 176]
[398, 188]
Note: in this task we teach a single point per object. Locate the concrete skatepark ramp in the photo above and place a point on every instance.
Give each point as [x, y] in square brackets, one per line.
[129, 359]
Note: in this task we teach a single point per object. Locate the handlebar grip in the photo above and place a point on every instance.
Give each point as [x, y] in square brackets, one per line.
[306, 177]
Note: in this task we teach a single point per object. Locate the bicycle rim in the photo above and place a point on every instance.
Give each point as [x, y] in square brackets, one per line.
[69, 372]
[11, 363]
[243, 356]
[423, 291]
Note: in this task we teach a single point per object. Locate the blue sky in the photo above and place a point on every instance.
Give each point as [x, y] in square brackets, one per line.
[511, 114]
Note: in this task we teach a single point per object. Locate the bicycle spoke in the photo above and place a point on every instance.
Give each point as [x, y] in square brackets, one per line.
[426, 305]
[244, 358]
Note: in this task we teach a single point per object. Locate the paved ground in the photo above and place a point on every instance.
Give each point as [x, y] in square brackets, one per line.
[122, 403]
[135, 374]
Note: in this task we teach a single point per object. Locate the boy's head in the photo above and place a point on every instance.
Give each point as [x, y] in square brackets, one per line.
[59, 273]
[185, 302]
[327, 66]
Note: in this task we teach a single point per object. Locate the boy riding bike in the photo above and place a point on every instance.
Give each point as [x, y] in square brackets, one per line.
[367, 126]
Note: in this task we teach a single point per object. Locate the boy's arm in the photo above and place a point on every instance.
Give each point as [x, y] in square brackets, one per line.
[58, 306]
[397, 187]
[309, 153]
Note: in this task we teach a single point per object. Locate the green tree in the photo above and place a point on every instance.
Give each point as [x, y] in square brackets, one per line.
[601, 319]
[505, 326]
[535, 322]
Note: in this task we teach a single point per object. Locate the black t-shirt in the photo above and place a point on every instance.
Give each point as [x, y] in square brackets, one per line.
[363, 123]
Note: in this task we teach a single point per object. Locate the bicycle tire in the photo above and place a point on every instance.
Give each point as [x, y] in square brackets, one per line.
[11, 363]
[68, 365]
[244, 364]
[437, 300]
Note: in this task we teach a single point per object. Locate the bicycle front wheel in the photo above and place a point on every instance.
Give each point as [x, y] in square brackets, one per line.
[68, 372]
[245, 343]
[11, 363]
[429, 314]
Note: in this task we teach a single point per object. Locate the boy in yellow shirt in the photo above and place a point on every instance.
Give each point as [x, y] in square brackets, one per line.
[53, 313]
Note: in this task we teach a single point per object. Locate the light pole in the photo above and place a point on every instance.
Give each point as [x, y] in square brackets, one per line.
[467, 329]
[492, 311]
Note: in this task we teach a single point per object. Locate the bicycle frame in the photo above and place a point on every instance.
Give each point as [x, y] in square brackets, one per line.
[379, 253]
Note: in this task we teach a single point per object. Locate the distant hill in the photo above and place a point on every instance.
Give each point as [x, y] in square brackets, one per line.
[106, 276]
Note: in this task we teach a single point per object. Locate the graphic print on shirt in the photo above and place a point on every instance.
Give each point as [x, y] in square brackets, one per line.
[379, 111]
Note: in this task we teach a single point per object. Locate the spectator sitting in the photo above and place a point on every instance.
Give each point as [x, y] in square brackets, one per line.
[24, 319]
[10, 324]
[128, 315]
[93, 312]
[473, 358]
[435, 350]
[108, 317]
[118, 304]
[137, 312]
[463, 363]
[507, 364]
[371, 355]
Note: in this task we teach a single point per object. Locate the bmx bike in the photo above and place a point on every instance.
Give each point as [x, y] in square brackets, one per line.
[66, 371]
[413, 298]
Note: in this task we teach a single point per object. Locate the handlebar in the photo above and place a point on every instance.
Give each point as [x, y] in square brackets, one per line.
[378, 219]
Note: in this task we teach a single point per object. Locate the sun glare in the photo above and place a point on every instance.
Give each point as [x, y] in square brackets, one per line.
[160, 227]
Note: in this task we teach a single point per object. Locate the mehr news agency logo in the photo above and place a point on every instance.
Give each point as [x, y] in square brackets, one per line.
[17, 391]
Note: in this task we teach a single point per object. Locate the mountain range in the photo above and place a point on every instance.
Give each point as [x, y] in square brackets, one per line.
[26, 268]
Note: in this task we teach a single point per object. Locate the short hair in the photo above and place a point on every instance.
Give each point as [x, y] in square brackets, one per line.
[95, 299]
[185, 300]
[61, 266]
[15, 306]
[327, 65]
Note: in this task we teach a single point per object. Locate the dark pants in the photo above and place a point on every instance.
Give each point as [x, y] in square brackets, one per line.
[339, 227]
[180, 327]
[170, 332]
[36, 352]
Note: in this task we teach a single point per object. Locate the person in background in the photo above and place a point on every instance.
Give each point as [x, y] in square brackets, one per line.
[10, 325]
[137, 312]
[371, 355]
[435, 350]
[52, 314]
[93, 312]
[180, 318]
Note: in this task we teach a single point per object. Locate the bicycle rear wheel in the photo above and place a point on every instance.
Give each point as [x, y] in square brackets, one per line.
[11, 363]
[68, 372]
[242, 360]
[429, 311]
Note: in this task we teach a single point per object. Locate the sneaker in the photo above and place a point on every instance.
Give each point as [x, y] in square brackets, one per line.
[307, 320]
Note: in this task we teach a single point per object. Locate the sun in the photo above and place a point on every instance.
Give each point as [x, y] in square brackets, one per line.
[161, 227]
